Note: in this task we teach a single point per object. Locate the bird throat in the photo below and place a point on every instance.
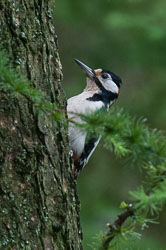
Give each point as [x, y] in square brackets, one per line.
[91, 86]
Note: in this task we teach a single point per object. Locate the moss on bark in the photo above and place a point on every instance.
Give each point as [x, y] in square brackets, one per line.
[39, 207]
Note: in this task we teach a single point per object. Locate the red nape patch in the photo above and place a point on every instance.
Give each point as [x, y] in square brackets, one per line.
[118, 91]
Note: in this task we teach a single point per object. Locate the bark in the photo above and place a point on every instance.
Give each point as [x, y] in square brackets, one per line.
[39, 208]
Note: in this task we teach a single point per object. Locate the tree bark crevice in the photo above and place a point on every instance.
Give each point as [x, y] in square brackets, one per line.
[39, 207]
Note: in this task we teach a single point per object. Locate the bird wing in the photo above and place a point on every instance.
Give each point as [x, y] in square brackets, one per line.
[89, 147]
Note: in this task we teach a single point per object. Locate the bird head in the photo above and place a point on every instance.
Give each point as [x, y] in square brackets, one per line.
[105, 80]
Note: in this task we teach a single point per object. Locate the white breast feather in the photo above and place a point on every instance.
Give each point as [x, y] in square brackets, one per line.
[80, 105]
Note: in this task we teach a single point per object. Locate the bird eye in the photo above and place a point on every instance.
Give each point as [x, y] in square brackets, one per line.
[105, 76]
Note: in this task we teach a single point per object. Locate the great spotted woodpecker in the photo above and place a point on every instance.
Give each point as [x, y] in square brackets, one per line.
[102, 89]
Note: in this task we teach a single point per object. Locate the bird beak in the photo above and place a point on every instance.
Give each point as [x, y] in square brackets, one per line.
[89, 72]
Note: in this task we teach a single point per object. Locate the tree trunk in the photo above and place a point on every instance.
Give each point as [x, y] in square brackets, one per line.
[39, 208]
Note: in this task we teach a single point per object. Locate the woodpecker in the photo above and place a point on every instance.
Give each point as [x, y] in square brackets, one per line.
[102, 89]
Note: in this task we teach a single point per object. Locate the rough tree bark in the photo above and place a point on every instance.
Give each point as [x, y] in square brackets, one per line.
[39, 208]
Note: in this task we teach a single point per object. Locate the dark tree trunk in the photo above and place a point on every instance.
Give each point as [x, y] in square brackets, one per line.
[39, 208]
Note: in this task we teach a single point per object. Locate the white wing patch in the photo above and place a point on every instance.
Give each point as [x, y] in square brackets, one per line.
[95, 145]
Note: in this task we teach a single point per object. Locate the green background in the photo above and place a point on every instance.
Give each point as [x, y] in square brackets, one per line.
[128, 38]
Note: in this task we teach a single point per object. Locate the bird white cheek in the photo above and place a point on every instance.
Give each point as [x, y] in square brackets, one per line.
[111, 86]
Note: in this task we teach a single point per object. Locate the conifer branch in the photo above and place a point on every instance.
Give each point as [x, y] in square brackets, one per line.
[115, 227]
[124, 135]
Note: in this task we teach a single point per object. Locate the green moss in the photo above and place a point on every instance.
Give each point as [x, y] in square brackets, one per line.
[33, 156]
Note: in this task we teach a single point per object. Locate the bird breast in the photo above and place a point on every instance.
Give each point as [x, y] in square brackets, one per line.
[77, 105]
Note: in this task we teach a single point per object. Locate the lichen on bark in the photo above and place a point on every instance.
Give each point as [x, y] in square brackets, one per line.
[39, 207]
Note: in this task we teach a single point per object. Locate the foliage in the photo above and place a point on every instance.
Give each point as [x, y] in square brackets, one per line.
[127, 37]
[17, 84]
[125, 136]
[143, 146]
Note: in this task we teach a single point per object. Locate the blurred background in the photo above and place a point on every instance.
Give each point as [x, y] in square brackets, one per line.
[128, 38]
